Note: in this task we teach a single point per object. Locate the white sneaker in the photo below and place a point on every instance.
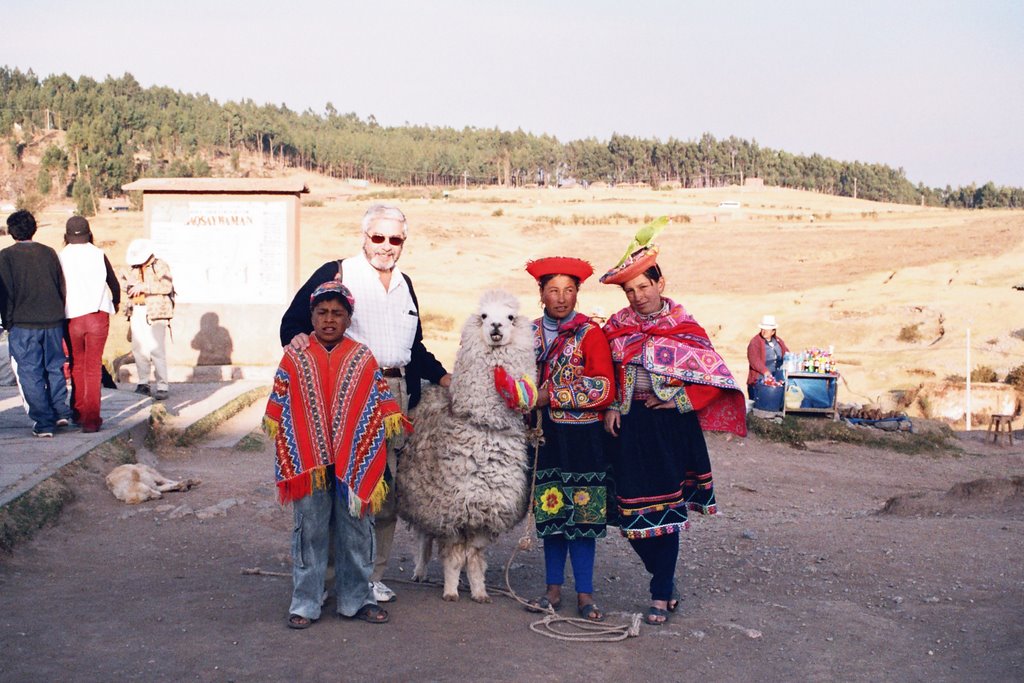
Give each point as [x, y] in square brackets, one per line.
[382, 593]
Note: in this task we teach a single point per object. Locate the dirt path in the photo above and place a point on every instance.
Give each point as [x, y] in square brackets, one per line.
[800, 578]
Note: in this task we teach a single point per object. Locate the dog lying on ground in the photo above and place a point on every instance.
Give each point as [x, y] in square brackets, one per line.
[135, 483]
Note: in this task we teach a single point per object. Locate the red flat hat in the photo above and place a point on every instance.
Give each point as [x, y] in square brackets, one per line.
[560, 265]
[636, 264]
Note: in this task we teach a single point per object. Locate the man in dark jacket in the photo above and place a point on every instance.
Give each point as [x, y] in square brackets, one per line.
[32, 307]
[387, 320]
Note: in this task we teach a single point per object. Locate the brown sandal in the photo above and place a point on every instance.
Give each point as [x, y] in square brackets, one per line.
[298, 621]
[372, 614]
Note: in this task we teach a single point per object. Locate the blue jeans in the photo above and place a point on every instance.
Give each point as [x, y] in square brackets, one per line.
[40, 358]
[318, 516]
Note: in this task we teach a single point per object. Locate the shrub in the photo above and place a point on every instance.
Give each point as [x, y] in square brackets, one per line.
[14, 151]
[82, 193]
[54, 158]
[910, 333]
[1016, 377]
[498, 213]
[984, 373]
[201, 169]
[30, 201]
[43, 181]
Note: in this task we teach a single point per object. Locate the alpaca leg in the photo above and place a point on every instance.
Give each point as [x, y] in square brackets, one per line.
[424, 551]
[454, 557]
[476, 568]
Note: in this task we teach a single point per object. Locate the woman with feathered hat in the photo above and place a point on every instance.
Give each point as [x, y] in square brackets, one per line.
[575, 384]
[672, 385]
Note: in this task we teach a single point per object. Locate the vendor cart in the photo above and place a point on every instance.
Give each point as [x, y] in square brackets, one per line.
[811, 392]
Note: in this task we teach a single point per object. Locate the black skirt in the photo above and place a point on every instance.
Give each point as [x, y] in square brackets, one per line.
[661, 469]
[570, 494]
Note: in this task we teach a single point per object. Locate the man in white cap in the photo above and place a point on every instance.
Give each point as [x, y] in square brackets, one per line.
[150, 290]
[764, 354]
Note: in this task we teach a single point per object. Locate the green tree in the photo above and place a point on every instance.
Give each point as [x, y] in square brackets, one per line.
[44, 183]
[82, 194]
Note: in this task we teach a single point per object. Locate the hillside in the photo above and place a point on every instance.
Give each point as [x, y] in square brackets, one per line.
[118, 131]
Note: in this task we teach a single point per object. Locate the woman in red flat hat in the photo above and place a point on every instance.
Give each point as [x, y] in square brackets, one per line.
[671, 386]
[575, 384]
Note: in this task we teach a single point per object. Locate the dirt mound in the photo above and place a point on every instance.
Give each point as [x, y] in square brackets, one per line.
[981, 497]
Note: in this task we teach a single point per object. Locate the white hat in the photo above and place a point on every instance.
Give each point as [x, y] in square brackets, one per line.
[139, 252]
[768, 322]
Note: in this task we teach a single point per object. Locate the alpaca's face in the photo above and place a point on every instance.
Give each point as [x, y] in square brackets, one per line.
[496, 322]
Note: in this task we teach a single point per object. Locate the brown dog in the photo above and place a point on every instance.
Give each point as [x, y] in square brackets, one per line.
[134, 484]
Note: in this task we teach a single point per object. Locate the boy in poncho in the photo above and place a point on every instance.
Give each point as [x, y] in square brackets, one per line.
[329, 414]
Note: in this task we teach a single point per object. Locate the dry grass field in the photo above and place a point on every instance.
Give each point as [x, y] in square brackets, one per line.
[834, 271]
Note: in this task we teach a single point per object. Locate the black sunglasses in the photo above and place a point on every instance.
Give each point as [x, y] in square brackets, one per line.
[394, 240]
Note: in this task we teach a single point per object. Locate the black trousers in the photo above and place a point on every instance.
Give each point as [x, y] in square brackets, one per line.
[659, 554]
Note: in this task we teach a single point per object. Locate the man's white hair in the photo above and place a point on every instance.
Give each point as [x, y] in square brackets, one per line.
[381, 212]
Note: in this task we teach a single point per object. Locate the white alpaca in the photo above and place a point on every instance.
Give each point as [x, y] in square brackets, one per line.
[464, 469]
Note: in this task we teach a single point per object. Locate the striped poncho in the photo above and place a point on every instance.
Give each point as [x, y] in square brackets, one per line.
[332, 408]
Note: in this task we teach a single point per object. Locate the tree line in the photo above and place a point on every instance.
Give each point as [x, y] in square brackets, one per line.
[118, 131]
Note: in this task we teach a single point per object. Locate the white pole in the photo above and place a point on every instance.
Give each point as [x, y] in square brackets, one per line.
[968, 426]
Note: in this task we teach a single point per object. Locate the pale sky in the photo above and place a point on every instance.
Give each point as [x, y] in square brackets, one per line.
[932, 86]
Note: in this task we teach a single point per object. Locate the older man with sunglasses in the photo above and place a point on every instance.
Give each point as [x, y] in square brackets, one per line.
[387, 320]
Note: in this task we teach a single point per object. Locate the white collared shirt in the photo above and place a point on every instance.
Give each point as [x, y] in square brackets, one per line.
[383, 320]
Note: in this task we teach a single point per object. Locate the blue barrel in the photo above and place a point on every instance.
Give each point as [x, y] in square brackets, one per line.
[769, 398]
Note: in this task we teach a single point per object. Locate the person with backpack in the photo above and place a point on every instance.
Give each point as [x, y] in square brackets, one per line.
[150, 290]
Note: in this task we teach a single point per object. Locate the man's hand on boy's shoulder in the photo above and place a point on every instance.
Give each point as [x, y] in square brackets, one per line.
[299, 342]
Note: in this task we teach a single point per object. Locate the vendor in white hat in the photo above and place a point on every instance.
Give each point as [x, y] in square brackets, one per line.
[150, 290]
[764, 354]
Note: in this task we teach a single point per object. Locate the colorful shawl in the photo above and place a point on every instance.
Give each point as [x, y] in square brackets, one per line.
[332, 408]
[674, 345]
[578, 368]
[566, 331]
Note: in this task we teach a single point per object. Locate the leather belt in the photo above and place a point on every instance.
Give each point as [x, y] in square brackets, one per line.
[391, 372]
